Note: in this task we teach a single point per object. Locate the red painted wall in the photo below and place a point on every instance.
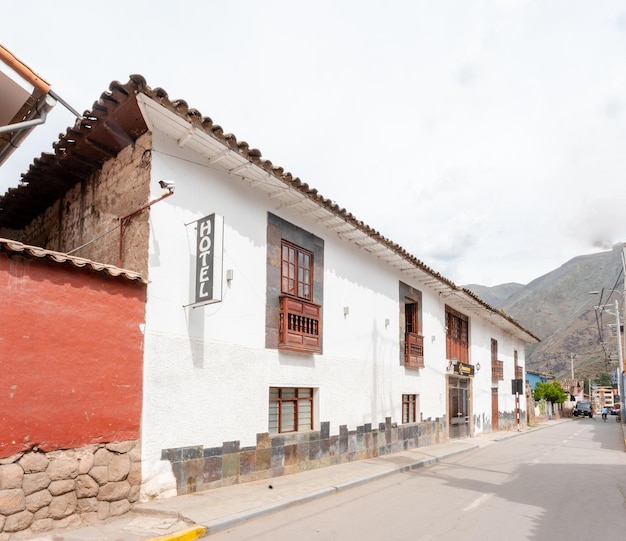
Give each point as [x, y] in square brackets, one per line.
[71, 353]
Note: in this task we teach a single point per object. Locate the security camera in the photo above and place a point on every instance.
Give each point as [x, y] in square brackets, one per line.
[167, 185]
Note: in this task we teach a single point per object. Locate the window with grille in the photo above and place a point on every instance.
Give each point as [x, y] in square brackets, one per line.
[291, 409]
[413, 340]
[299, 326]
[409, 408]
[497, 367]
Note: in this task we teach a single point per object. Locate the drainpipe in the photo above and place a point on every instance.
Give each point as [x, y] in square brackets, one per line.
[48, 104]
[51, 97]
[23, 70]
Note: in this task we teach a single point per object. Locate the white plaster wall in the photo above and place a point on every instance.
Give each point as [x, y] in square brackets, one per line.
[207, 371]
[481, 333]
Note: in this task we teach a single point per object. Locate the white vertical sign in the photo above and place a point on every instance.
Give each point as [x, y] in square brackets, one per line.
[209, 246]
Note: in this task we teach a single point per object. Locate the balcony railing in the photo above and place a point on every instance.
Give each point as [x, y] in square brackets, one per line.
[413, 350]
[497, 370]
[300, 326]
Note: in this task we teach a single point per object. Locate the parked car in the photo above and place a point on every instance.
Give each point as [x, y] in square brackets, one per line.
[583, 409]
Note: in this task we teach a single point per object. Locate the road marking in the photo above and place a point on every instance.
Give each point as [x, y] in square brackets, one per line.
[477, 502]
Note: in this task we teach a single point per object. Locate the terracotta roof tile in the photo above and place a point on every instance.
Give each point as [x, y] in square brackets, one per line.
[12, 248]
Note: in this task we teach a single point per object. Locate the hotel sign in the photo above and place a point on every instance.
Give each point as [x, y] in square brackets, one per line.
[464, 369]
[209, 245]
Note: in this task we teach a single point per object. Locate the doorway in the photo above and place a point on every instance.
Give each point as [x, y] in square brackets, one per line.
[494, 409]
[458, 407]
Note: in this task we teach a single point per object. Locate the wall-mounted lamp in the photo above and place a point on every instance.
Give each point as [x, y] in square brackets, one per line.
[477, 366]
[386, 323]
[229, 274]
[451, 364]
[346, 310]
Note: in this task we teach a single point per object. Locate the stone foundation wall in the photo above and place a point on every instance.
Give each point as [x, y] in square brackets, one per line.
[507, 420]
[42, 491]
[197, 468]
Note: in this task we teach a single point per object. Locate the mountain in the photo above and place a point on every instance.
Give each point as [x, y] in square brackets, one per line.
[559, 309]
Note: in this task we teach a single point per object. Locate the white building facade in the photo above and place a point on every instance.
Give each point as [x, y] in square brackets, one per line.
[381, 354]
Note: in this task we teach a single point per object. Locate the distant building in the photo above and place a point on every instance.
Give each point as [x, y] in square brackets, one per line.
[575, 388]
[603, 397]
[532, 378]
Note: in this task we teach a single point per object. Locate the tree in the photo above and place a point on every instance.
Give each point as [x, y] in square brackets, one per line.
[552, 392]
[604, 380]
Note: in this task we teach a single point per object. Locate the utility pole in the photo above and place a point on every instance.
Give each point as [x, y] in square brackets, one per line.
[620, 379]
[620, 376]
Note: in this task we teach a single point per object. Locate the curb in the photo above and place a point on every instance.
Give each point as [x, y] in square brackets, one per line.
[198, 531]
[234, 520]
[188, 534]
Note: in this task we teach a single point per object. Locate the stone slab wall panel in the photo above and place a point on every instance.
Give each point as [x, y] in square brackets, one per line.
[197, 468]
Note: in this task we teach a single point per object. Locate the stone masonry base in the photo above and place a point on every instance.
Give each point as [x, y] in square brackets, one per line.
[40, 492]
[197, 468]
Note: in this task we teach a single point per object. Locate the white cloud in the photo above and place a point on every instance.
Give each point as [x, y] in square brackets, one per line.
[485, 137]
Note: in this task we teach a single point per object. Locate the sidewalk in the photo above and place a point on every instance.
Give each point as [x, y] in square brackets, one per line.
[188, 517]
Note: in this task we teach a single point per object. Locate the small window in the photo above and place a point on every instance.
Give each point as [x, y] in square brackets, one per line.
[291, 409]
[409, 408]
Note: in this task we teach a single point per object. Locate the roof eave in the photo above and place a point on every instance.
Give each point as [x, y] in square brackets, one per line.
[190, 130]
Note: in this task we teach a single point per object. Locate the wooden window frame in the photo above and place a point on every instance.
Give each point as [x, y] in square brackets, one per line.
[519, 370]
[457, 336]
[297, 401]
[296, 271]
[409, 408]
[497, 367]
[413, 340]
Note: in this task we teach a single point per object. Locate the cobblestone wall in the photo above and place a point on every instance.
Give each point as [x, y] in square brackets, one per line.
[40, 492]
[198, 468]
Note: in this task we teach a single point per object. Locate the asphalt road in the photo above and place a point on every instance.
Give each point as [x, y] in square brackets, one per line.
[566, 482]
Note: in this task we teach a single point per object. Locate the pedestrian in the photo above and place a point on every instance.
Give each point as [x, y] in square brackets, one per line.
[605, 412]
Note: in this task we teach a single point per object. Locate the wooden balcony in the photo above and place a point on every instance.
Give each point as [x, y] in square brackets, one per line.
[497, 370]
[300, 326]
[413, 350]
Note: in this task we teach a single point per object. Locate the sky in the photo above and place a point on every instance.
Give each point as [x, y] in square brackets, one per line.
[486, 137]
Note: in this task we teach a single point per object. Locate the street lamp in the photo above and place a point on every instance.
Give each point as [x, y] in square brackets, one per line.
[620, 379]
